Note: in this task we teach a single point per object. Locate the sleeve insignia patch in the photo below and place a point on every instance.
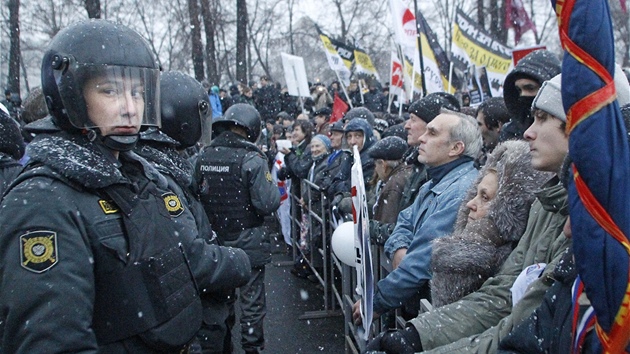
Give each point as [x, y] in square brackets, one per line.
[38, 251]
[108, 206]
[268, 176]
[173, 204]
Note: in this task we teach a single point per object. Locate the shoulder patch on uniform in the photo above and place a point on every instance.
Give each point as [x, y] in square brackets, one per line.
[173, 204]
[268, 176]
[108, 206]
[38, 250]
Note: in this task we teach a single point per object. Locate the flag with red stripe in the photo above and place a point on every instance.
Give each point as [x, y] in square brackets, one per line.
[599, 198]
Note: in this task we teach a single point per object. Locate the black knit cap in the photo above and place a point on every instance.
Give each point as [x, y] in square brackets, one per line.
[429, 107]
[389, 148]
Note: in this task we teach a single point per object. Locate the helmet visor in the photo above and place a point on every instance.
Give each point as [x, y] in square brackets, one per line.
[116, 99]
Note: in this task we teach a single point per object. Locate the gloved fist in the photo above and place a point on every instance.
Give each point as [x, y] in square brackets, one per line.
[345, 205]
[336, 200]
[402, 341]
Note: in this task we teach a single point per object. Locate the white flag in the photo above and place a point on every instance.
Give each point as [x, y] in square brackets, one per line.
[365, 276]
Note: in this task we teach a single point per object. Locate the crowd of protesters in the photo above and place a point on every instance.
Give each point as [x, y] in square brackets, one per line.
[471, 209]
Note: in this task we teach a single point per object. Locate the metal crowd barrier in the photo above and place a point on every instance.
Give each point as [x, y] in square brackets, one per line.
[319, 257]
[337, 301]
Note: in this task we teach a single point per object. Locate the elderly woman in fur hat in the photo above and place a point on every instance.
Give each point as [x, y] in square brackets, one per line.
[490, 221]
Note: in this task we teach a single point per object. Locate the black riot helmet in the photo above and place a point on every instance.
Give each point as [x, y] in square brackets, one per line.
[241, 114]
[102, 78]
[184, 105]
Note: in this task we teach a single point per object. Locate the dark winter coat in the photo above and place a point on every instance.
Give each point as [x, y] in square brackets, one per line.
[549, 328]
[268, 102]
[375, 101]
[336, 160]
[11, 140]
[9, 170]
[476, 250]
[387, 206]
[298, 162]
[380, 232]
[316, 175]
[91, 242]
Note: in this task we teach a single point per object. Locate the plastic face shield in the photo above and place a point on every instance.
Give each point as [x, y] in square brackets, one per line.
[106, 96]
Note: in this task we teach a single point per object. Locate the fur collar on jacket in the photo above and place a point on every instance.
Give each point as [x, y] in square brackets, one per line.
[476, 250]
[83, 162]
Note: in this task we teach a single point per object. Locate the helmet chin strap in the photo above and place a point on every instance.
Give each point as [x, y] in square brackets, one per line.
[114, 142]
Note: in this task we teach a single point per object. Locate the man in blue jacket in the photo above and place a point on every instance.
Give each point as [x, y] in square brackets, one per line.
[448, 147]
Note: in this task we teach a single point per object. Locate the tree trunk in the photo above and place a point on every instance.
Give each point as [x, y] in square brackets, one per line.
[209, 13]
[241, 40]
[93, 8]
[13, 80]
[195, 39]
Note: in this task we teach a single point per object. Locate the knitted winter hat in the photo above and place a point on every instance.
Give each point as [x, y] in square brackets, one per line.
[549, 98]
[429, 107]
[389, 148]
[324, 139]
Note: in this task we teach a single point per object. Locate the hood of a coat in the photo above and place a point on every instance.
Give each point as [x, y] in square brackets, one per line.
[518, 182]
[360, 124]
[539, 65]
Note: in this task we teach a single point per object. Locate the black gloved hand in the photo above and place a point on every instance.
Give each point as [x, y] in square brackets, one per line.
[336, 200]
[402, 341]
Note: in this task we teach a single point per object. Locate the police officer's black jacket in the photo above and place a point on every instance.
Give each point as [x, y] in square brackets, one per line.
[98, 255]
[9, 169]
[237, 191]
[179, 174]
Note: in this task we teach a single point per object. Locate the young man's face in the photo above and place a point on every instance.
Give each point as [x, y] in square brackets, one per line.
[435, 148]
[115, 105]
[415, 128]
[490, 136]
[355, 139]
[527, 87]
[548, 143]
[320, 120]
[298, 134]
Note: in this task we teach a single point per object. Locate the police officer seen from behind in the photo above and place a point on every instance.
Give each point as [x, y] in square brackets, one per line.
[237, 192]
[184, 109]
[96, 254]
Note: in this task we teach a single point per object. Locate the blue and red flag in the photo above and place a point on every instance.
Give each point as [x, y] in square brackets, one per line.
[599, 197]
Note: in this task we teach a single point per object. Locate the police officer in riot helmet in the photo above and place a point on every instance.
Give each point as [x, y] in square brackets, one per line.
[91, 233]
[184, 111]
[237, 192]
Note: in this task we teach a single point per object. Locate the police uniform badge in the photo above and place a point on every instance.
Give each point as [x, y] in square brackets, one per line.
[268, 176]
[173, 204]
[38, 250]
[108, 206]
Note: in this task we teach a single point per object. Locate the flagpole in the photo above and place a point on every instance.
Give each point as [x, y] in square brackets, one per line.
[361, 91]
[390, 96]
[343, 87]
[450, 76]
[424, 85]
